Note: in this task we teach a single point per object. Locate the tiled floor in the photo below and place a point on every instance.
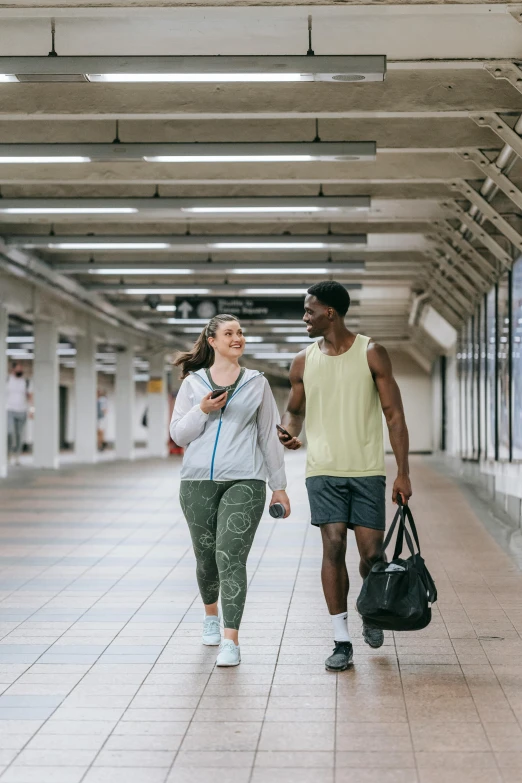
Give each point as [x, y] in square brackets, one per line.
[103, 677]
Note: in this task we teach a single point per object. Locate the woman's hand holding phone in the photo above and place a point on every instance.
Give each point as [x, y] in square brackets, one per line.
[209, 404]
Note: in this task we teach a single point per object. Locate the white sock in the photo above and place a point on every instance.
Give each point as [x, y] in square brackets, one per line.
[340, 627]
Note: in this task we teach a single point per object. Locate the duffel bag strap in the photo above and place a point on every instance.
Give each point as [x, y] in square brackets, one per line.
[390, 532]
[402, 534]
[409, 516]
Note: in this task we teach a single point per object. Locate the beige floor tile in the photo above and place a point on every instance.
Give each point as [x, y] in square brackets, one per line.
[443, 737]
[375, 775]
[193, 774]
[297, 736]
[376, 759]
[288, 758]
[222, 736]
[291, 775]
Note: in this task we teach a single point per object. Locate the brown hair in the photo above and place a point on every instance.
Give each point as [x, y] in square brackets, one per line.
[202, 354]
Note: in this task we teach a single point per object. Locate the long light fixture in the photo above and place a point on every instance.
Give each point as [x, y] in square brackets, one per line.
[212, 269]
[250, 207]
[187, 243]
[248, 152]
[222, 68]
[221, 289]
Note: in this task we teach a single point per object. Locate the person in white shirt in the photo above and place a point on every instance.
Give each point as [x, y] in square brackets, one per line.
[17, 405]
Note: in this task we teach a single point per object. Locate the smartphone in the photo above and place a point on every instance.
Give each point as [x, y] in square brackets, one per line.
[217, 393]
[283, 431]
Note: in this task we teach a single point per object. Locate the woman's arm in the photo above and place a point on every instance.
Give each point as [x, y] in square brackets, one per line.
[271, 448]
[188, 420]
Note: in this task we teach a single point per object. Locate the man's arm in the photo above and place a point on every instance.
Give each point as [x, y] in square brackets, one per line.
[391, 402]
[295, 410]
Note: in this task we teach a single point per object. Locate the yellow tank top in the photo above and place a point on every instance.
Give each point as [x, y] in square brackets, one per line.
[344, 426]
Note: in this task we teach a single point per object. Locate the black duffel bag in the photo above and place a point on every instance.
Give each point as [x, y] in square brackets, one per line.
[397, 595]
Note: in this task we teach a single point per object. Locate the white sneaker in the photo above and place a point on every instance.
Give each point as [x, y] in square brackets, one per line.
[229, 654]
[211, 631]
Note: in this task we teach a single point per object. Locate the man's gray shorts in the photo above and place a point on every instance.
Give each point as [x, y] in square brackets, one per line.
[355, 501]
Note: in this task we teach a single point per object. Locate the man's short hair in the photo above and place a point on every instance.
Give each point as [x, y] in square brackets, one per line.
[331, 294]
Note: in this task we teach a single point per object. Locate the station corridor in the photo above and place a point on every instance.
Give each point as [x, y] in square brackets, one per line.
[104, 678]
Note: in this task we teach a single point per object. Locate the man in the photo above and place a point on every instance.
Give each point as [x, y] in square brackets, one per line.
[101, 411]
[342, 382]
[18, 399]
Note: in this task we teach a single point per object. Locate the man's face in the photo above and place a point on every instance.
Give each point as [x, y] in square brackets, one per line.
[317, 317]
[18, 369]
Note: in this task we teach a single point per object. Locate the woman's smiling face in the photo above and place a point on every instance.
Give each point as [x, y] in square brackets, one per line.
[229, 340]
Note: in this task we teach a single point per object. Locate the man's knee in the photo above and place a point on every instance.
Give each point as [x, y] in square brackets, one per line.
[334, 542]
[370, 556]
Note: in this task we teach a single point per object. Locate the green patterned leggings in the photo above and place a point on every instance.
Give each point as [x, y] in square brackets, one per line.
[223, 517]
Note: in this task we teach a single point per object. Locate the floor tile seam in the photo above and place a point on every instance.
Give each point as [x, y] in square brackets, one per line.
[269, 536]
[473, 698]
[490, 666]
[405, 702]
[111, 733]
[303, 545]
[56, 563]
[90, 667]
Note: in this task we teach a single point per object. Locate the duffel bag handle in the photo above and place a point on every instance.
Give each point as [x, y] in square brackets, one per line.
[409, 516]
[401, 534]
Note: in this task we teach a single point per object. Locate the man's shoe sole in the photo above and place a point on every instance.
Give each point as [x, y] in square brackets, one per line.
[336, 669]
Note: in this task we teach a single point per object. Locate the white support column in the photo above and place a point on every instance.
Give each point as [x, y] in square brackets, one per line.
[157, 407]
[124, 398]
[85, 440]
[46, 395]
[3, 381]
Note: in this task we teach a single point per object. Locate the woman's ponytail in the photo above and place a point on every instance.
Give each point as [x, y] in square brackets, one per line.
[202, 354]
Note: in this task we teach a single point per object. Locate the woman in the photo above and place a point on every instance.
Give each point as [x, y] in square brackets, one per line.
[231, 445]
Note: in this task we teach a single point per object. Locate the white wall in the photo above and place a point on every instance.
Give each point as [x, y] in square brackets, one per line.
[416, 391]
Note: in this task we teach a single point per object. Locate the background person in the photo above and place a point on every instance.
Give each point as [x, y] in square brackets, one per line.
[343, 381]
[231, 445]
[18, 399]
[101, 412]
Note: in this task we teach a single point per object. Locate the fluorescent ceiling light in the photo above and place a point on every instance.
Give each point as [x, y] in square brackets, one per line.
[224, 68]
[275, 356]
[20, 339]
[175, 152]
[44, 159]
[265, 205]
[167, 308]
[290, 291]
[299, 339]
[214, 268]
[253, 339]
[144, 271]
[191, 242]
[68, 210]
[275, 245]
[19, 353]
[181, 291]
[107, 245]
[194, 77]
[229, 159]
[256, 210]
[281, 271]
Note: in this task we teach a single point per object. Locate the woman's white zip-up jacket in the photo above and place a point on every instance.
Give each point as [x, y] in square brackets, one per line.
[238, 442]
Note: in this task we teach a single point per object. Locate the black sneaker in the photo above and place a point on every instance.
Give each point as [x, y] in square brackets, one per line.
[373, 636]
[341, 657]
